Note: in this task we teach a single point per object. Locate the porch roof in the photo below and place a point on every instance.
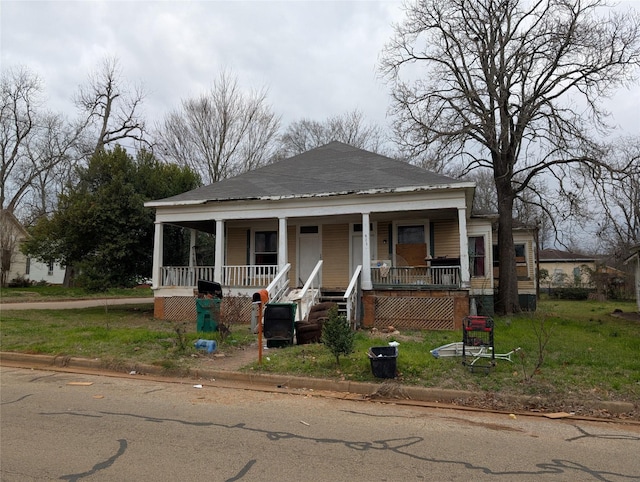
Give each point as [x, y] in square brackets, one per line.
[329, 170]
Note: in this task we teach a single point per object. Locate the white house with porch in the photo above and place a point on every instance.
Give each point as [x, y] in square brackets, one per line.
[389, 240]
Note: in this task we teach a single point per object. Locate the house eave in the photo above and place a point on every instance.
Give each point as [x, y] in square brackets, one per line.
[366, 192]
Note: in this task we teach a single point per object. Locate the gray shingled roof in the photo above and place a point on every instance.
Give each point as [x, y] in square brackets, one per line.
[334, 168]
[556, 255]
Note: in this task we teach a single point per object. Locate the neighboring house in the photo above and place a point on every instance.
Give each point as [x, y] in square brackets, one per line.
[634, 258]
[15, 264]
[396, 243]
[567, 269]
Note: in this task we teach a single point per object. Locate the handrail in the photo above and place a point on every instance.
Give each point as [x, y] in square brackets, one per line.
[351, 297]
[312, 276]
[314, 293]
[279, 285]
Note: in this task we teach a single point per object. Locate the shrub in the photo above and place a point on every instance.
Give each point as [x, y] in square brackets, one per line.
[337, 334]
[20, 282]
[571, 293]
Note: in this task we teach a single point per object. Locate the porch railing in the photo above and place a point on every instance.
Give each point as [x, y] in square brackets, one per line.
[186, 276]
[417, 277]
[252, 276]
[249, 276]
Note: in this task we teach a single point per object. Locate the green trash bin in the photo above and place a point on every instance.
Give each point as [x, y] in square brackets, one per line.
[208, 314]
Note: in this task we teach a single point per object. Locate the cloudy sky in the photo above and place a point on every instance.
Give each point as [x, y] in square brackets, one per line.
[316, 58]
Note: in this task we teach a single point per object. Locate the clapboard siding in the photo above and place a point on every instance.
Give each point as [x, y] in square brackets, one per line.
[446, 238]
[335, 254]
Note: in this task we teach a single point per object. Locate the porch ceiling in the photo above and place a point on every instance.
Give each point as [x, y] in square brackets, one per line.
[202, 226]
[209, 226]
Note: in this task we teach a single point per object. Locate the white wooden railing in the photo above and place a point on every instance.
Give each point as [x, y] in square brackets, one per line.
[185, 276]
[418, 276]
[352, 298]
[309, 294]
[253, 276]
[248, 275]
[279, 286]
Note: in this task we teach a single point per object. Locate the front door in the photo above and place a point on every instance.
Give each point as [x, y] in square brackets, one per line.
[309, 252]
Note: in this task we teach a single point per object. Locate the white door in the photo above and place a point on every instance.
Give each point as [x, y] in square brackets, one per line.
[356, 252]
[309, 252]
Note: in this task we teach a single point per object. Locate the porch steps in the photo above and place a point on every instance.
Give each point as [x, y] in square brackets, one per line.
[335, 296]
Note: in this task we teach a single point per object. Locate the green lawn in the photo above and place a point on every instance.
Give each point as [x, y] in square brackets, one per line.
[589, 352]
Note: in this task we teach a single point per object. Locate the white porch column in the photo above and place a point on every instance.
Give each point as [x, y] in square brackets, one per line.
[158, 246]
[219, 254]
[464, 248]
[366, 253]
[192, 249]
[282, 242]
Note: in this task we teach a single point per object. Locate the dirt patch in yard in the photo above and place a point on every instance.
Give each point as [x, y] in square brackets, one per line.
[630, 315]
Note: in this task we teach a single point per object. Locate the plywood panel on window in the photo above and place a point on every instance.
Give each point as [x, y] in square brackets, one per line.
[411, 254]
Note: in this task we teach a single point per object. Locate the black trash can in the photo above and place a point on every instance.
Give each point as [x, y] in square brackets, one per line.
[383, 361]
[279, 324]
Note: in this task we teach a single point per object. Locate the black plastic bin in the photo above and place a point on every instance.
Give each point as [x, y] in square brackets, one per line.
[279, 324]
[383, 361]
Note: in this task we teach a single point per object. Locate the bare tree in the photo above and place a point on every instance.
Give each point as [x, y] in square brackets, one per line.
[349, 128]
[509, 85]
[33, 143]
[221, 133]
[111, 108]
[618, 193]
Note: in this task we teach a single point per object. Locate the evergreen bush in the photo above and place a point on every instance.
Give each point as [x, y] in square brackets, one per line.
[337, 334]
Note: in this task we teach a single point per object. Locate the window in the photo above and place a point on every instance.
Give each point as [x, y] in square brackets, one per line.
[519, 254]
[476, 256]
[411, 234]
[50, 268]
[266, 247]
[27, 268]
[357, 227]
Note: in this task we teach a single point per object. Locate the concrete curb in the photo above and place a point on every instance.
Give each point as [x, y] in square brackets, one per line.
[401, 392]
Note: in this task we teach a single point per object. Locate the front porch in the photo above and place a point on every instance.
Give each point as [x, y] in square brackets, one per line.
[252, 277]
[408, 297]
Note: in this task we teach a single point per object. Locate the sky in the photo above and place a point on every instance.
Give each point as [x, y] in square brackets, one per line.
[315, 58]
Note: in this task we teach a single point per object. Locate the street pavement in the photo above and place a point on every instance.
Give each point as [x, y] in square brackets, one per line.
[73, 426]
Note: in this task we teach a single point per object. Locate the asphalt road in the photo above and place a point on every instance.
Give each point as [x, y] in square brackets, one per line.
[68, 426]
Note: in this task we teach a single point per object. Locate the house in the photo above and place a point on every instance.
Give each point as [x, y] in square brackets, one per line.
[634, 258]
[16, 265]
[565, 268]
[394, 243]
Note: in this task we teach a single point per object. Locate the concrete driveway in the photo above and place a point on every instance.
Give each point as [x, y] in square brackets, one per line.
[73, 304]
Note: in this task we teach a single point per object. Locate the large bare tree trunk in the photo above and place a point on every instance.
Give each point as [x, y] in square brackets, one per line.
[507, 294]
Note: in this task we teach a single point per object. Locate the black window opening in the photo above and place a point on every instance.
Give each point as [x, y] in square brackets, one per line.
[266, 247]
[476, 256]
[411, 234]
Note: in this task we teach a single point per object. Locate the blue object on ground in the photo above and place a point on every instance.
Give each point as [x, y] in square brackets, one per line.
[209, 345]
